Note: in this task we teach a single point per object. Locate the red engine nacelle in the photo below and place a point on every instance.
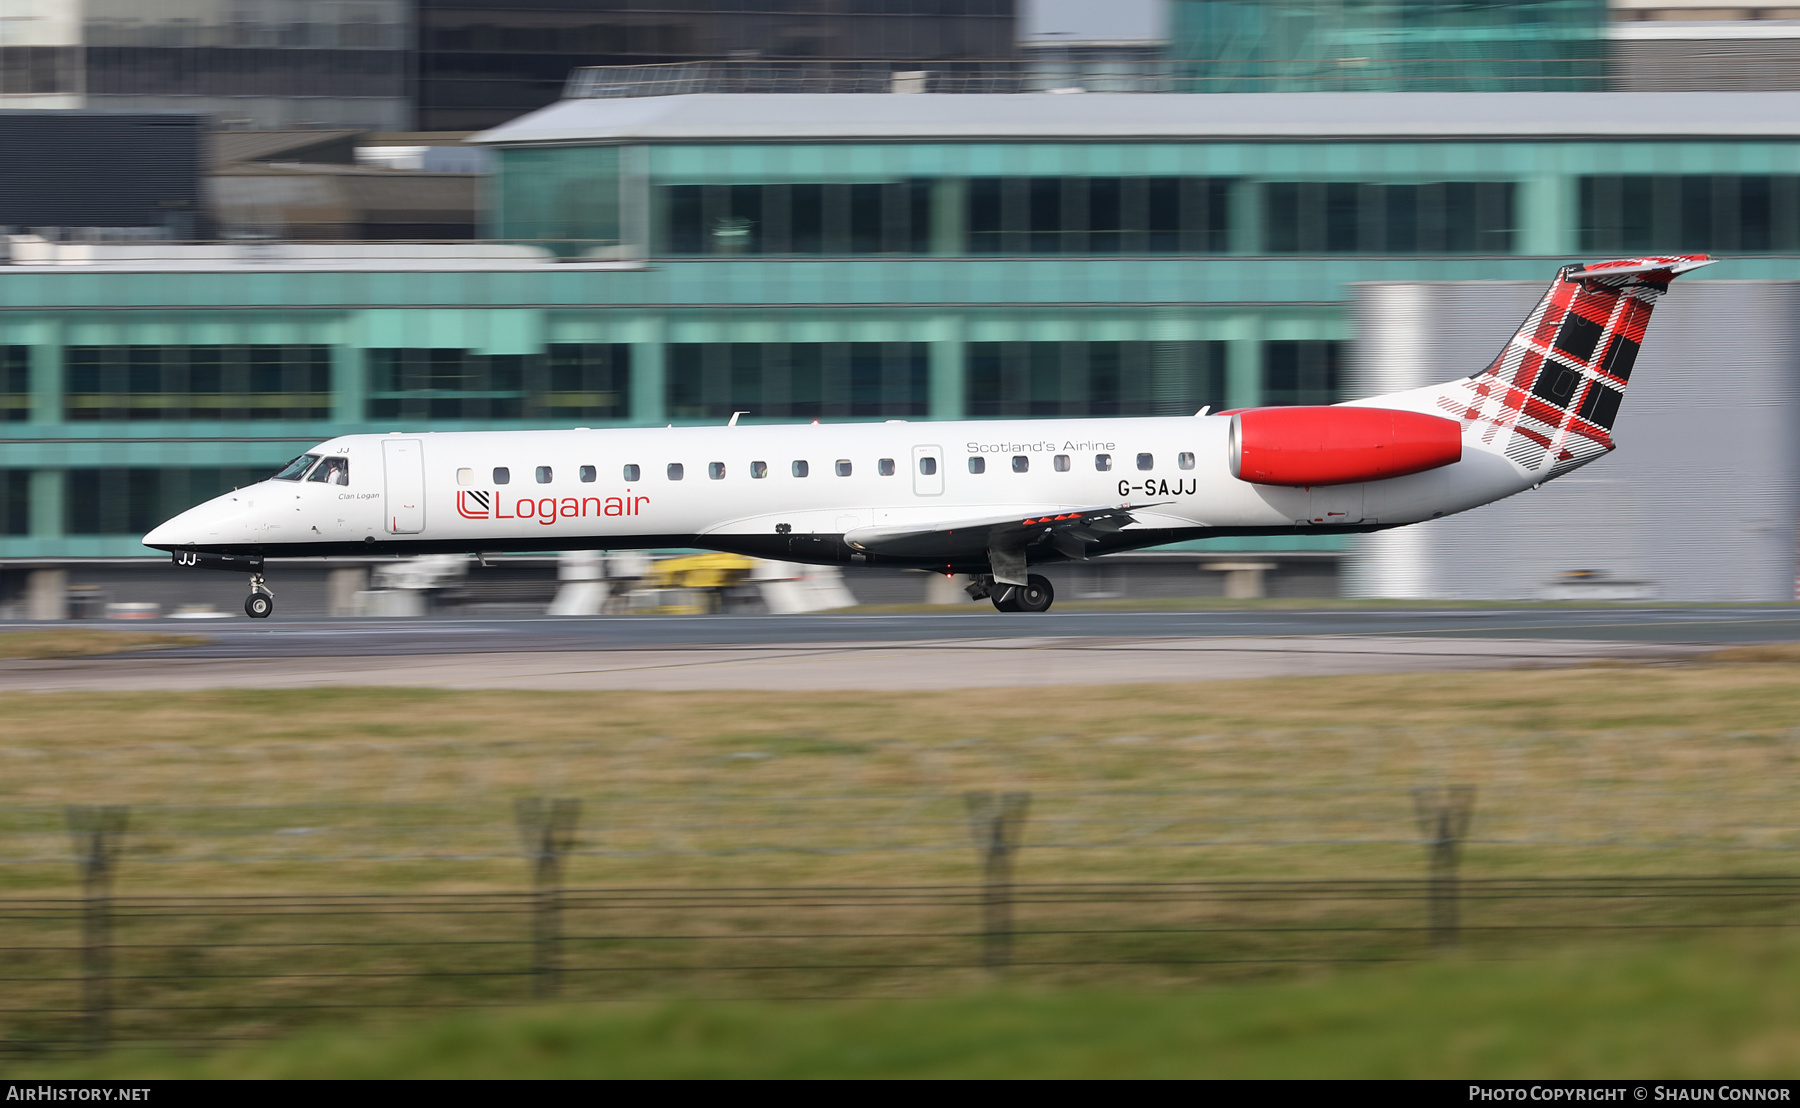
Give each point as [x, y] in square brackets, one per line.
[1338, 446]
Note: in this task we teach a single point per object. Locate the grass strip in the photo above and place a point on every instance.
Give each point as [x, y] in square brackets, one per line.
[87, 644]
[1673, 1010]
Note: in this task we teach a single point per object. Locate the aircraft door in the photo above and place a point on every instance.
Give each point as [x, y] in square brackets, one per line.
[928, 470]
[404, 460]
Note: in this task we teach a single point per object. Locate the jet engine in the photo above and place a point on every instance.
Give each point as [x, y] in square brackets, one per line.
[1308, 446]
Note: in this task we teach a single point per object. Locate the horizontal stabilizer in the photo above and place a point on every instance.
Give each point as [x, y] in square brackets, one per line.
[1673, 265]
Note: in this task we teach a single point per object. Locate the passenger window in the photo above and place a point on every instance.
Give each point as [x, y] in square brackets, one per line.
[928, 466]
[296, 469]
[543, 475]
[332, 471]
[465, 477]
[843, 467]
[1103, 463]
[977, 465]
[1061, 461]
[588, 474]
[799, 469]
[632, 473]
[675, 471]
[1185, 460]
[759, 470]
[502, 475]
[1021, 463]
[1145, 461]
[885, 467]
[715, 470]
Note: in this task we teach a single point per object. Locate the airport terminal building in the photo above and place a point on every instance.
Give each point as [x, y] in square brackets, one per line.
[658, 259]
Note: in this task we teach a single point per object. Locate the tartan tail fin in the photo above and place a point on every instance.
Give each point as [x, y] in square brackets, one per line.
[1550, 399]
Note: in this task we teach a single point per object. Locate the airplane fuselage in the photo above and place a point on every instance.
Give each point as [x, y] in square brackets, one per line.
[988, 498]
[795, 492]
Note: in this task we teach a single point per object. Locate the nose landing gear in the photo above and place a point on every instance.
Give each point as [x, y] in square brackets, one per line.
[261, 601]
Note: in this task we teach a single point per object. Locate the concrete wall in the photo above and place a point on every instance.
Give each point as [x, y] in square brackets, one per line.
[1697, 503]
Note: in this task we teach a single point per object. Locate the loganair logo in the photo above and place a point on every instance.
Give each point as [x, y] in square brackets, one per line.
[546, 510]
[472, 504]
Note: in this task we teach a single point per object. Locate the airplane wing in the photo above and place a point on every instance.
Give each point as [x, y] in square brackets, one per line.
[1068, 530]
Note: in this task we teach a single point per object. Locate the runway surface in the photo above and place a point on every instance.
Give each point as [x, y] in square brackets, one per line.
[279, 638]
[957, 649]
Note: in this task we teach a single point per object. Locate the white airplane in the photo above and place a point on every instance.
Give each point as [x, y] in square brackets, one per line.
[991, 498]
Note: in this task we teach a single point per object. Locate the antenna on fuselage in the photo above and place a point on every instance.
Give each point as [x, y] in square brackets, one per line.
[732, 422]
[1204, 408]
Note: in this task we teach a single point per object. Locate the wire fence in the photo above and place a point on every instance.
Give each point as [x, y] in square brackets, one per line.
[86, 970]
[1177, 822]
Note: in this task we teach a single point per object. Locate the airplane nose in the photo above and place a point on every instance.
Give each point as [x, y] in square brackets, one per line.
[198, 526]
[165, 535]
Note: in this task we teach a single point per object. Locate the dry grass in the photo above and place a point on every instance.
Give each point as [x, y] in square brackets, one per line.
[1675, 769]
[83, 644]
[1683, 770]
[1782, 653]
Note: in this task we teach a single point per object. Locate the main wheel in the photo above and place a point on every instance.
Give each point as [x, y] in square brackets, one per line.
[1006, 599]
[1034, 596]
[258, 605]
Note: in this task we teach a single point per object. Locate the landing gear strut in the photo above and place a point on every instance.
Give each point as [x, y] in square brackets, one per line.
[261, 601]
[1035, 595]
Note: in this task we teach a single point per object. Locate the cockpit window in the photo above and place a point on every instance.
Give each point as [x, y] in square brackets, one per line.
[332, 471]
[296, 469]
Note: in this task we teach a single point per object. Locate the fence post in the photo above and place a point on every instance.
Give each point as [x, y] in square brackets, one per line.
[96, 832]
[1444, 815]
[996, 822]
[547, 830]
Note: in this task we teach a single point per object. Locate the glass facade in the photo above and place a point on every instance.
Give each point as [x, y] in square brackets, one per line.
[133, 383]
[1691, 214]
[807, 218]
[125, 501]
[568, 381]
[567, 197]
[15, 502]
[1389, 45]
[1098, 215]
[1094, 378]
[1344, 217]
[1305, 372]
[15, 384]
[798, 380]
[797, 281]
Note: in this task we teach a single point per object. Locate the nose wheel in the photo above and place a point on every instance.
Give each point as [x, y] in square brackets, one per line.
[261, 601]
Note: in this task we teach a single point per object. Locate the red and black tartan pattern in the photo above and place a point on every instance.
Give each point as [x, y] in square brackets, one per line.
[1549, 400]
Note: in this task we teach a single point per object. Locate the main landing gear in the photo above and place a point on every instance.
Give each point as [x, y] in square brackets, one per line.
[1035, 595]
[261, 601]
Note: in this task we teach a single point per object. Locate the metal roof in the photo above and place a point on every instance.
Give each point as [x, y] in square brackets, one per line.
[1048, 117]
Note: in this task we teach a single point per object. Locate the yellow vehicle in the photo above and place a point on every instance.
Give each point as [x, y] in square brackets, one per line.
[693, 585]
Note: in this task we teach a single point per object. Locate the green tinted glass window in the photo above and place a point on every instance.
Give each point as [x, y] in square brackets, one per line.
[806, 380]
[1098, 215]
[130, 501]
[15, 502]
[1338, 217]
[162, 383]
[15, 384]
[1302, 372]
[567, 381]
[1727, 213]
[1094, 378]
